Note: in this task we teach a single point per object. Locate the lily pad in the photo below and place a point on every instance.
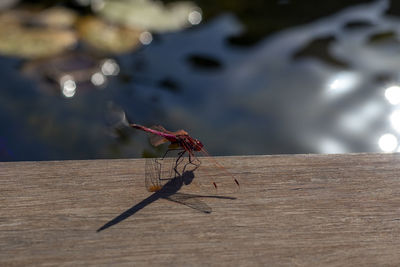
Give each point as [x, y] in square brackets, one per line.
[148, 15]
[57, 17]
[106, 37]
[25, 34]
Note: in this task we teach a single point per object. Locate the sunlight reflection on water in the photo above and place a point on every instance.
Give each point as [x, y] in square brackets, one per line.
[342, 83]
[285, 106]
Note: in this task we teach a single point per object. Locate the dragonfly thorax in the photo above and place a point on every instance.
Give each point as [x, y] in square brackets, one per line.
[190, 143]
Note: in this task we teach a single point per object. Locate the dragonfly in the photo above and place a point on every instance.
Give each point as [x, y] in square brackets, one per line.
[184, 145]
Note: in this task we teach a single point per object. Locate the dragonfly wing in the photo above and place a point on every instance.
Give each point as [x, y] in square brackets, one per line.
[152, 175]
[160, 129]
[157, 140]
[219, 177]
[163, 130]
[158, 172]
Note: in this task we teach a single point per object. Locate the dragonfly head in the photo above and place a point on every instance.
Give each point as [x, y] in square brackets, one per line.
[197, 145]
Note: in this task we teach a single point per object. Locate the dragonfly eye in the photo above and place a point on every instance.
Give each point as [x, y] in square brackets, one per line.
[199, 145]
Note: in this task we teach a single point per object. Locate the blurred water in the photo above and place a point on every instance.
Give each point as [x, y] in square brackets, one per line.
[327, 86]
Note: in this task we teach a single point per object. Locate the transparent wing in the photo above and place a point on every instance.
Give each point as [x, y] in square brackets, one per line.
[158, 172]
[213, 175]
[157, 140]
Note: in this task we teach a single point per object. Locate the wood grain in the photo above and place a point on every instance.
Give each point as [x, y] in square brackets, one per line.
[291, 210]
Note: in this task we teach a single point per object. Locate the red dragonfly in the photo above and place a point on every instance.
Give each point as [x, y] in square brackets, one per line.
[181, 142]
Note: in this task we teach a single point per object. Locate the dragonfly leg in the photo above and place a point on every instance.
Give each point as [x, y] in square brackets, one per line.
[193, 161]
[160, 160]
[196, 162]
[178, 161]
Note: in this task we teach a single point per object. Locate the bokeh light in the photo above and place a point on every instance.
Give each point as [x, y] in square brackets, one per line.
[68, 86]
[342, 83]
[392, 94]
[146, 38]
[110, 67]
[98, 79]
[395, 119]
[195, 17]
[388, 142]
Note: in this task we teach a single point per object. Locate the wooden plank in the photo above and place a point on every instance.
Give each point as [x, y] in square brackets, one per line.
[290, 210]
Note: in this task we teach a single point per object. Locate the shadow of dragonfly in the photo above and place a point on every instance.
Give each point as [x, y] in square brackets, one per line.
[170, 192]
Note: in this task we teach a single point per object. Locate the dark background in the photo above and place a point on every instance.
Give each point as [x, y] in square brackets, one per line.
[254, 77]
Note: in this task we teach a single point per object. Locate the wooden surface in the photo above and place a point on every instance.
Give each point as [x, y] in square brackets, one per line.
[291, 210]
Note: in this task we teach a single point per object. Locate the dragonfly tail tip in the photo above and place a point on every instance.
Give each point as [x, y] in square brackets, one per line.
[237, 182]
[215, 185]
